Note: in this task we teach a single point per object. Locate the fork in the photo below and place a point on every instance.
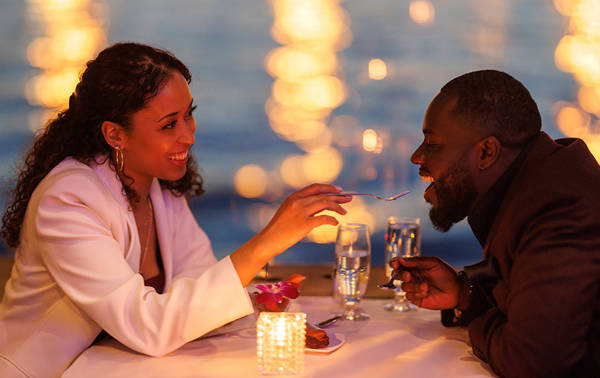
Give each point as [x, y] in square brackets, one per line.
[375, 196]
[390, 284]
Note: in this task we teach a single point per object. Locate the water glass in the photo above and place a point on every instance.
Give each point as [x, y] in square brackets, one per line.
[353, 265]
[402, 239]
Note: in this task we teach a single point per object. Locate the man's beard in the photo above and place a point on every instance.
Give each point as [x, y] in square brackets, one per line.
[455, 194]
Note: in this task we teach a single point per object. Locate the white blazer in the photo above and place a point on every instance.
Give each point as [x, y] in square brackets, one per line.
[76, 273]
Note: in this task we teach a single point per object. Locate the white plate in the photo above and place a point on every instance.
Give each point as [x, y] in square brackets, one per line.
[335, 342]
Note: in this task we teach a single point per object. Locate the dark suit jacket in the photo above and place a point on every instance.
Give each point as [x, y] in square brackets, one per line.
[544, 247]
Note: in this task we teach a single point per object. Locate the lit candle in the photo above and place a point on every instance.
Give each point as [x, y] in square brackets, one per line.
[280, 340]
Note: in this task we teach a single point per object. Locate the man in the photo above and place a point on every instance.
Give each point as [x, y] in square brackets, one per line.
[532, 306]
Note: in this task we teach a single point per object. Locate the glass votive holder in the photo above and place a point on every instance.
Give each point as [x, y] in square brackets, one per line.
[280, 340]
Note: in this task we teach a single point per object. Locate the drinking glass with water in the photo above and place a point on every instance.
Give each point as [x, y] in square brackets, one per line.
[353, 265]
[402, 239]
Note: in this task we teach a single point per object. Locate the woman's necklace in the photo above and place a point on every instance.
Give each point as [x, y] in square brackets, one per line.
[149, 225]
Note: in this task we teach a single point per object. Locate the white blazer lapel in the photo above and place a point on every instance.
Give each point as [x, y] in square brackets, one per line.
[132, 249]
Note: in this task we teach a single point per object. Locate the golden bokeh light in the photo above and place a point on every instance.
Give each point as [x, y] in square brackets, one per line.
[572, 121]
[589, 99]
[369, 140]
[372, 141]
[295, 64]
[319, 141]
[578, 53]
[306, 86]
[313, 94]
[314, 24]
[250, 181]
[74, 32]
[377, 69]
[322, 165]
[51, 90]
[292, 172]
[422, 12]
[565, 7]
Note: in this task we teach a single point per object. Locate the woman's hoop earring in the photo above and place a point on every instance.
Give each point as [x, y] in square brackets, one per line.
[118, 159]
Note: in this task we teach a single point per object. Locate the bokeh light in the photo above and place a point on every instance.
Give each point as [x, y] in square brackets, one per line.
[377, 69]
[250, 181]
[578, 53]
[322, 165]
[422, 12]
[74, 33]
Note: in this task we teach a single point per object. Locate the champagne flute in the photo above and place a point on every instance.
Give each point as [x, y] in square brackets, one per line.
[353, 264]
[402, 239]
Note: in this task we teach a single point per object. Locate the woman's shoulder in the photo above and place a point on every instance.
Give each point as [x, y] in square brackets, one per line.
[72, 177]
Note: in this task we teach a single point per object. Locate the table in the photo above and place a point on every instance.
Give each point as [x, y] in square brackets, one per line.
[412, 344]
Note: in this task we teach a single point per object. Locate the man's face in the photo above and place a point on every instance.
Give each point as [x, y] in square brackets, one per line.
[445, 158]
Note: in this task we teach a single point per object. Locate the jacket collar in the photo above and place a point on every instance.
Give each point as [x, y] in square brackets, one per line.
[482, 216]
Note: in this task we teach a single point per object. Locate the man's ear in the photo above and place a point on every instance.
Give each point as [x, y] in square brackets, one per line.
[114, 134]
[488, 151]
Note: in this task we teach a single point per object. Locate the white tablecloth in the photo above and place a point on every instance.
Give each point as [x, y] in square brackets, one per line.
[413, 344]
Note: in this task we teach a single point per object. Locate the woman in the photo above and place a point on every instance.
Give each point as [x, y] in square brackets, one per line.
[104, 237]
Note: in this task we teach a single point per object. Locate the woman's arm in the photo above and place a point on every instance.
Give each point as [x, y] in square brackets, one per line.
[72, 222]
[294, 219]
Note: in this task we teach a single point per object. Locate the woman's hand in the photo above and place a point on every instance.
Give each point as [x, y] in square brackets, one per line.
[294, 219]
[296, 216]
[428, 282]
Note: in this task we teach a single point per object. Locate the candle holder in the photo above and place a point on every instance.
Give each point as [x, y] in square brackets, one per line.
[280, 341]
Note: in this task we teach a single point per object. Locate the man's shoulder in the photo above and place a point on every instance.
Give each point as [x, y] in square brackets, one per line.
[563, 165]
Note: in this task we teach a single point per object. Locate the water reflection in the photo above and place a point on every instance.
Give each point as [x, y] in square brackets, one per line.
[306, 88]
[578, 53]
[70, 32]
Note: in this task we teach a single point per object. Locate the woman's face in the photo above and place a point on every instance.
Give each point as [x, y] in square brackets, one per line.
[161, 134]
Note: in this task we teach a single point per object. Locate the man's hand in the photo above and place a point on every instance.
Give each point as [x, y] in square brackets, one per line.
[428, 282]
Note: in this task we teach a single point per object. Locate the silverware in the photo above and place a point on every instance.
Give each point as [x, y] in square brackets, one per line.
[329, 321]
[396, 276]
[375, 196]
[390, 284]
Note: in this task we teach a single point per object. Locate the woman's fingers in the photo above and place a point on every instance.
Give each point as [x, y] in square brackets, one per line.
[316, 189]
[320, 220]
[325, 204]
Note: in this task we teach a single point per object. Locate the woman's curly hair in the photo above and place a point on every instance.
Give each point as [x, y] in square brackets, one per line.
[115, 85]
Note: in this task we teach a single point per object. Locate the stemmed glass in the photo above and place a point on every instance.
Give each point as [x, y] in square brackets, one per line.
[402, 239]
[353, 265]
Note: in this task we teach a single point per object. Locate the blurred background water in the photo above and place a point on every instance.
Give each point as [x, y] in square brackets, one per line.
[296, 91]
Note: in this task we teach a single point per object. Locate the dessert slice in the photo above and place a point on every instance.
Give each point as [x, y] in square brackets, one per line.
[316, 338]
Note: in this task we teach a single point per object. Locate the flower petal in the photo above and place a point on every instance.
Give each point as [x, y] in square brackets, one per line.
[263, 288]
[290, 291]
[295, 279]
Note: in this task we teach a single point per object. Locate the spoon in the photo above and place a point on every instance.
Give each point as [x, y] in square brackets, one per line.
[378, 197]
